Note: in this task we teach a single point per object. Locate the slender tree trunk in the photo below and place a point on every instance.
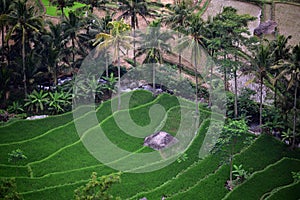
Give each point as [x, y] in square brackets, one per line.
[180, 60]
[261, 102]
[230, 172]
[8, 47]
[119, 77]
[153, 77]
[133, 23]
[55, 74]
[275, 94]
[231, 160]
[23, 63]
[3, 41]
[210, 79]
[73, 53]
[235, 95]
[225, 76]
[196, 78]
[134, 50]
[62, 13]
[295, 115]
[106, 64]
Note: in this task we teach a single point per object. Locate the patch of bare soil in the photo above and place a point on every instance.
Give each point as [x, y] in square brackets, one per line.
[287, 17]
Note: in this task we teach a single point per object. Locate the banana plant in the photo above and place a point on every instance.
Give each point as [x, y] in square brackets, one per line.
[239, 171]
[36, 101]
[16, 108]
[58, 101]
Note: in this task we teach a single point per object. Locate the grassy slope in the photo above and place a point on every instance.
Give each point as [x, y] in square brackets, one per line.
[290, 191]
[259, 155]
[273, 176]
[54, 170]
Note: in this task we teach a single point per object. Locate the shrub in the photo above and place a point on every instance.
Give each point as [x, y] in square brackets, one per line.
[8, 189]
[97, 188]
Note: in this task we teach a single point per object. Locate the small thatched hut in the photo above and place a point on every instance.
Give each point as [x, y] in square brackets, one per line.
[160, 140]
[265, 28]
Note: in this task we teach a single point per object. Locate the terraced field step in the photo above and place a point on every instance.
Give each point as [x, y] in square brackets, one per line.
[134, 185]
[69, 175]
[77, 150]
[262, 182]
[212, 187]
[53, 177]
[290, 191]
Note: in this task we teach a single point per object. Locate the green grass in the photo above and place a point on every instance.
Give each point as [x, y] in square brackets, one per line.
[58, 162]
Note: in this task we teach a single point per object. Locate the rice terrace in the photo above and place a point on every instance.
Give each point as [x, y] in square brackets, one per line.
[149, 100]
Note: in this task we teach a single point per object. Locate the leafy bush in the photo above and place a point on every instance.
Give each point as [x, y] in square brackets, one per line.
[296, 176]
[16, 155]
[8, 189]
[97, 188]
[247, 108]
[4, 116]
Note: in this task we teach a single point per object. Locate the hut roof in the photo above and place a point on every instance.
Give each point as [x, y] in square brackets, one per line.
[267, 27]
[160, 140]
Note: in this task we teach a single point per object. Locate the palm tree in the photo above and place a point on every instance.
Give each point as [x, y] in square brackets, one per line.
[53, 45]
[194, 42]
[71, 27]
[4, 11]
[229, 36]
[116, 39]
[24, 19]
[281, 51]
[261, 64]
[292, 69]
[105, 28]
[134, 8]
[154, 45]
[176, 18]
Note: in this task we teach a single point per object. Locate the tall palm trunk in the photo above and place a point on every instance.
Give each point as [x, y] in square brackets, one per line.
[106, 63]
[261, 101]
[210, 79]
[119, 76]
[225, 76]
[231, 160]
[55, 74]
[133, 23]
[73, 53]
[180, 60]
[153, 76]
[235, 94]
[23, 63]
[295, 115]
[134, 50]
[62, 13]
[196, 79]
[275, 94]
[3, 41]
